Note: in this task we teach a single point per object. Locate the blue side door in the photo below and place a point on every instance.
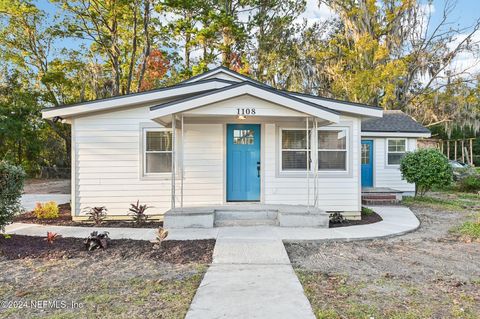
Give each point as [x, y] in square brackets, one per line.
[367, 163]
[243, 162]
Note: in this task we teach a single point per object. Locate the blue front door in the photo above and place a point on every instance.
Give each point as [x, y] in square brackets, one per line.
[367, 163]
[243, 162]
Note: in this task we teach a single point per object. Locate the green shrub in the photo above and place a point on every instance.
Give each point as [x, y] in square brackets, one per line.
[469, 184]
[426, 168]
[11, 188]
[49, 210]
[367, 211]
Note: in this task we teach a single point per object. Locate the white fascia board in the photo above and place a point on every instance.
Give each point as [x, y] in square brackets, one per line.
[343, 107]
[130, 100]
[394, 134]
[196, 102]
[217, 71]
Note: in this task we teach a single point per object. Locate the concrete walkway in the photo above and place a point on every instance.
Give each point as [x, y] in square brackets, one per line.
[251, 275]
[397, 220]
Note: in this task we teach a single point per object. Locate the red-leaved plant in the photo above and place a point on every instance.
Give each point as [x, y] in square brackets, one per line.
[51, 237]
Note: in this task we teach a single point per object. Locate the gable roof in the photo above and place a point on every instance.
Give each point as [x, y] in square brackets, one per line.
[209, 81]
[395, 122]
[222, 70]
[245, 88]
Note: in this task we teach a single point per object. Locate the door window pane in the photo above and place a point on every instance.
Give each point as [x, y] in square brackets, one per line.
[245, 137]
[365, 153]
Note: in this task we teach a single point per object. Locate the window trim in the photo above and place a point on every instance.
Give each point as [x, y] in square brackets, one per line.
[281, 149]
[387, 164]
[144, 152]
[347, 148]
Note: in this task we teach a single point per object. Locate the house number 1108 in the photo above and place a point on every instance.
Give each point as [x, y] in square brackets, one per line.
[246, 111]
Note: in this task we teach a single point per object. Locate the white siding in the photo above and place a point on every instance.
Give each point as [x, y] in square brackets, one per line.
[108, 170]
[389, 176]
[339, 193]
[108, 166]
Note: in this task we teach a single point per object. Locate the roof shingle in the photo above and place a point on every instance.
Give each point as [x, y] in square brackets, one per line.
[393, 121]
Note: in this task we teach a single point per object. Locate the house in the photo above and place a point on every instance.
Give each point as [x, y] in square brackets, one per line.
[223, 139]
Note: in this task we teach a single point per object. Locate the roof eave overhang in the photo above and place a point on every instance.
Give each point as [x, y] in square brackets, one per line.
[134, 99]
[343, 107]
[395, 134]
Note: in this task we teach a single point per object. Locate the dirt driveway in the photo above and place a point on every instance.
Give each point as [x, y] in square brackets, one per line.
[425, 274]
[47, 186]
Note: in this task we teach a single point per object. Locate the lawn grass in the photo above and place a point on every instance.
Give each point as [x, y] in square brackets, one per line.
[338, 296]
[433, 202]
[469, 230]
[119, 298]
[445, 200]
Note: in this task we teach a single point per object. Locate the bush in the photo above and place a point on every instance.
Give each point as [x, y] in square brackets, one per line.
[49, 210]
[469, 184]
[137, 212]
[96, 214]
[426, 168]
[11, 188]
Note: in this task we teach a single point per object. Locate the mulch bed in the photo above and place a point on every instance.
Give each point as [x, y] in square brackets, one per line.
[366, 219]
[65, 219]
[171, 251]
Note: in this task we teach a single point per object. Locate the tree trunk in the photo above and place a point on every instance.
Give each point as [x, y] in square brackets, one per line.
[134, 49]
[146, 50]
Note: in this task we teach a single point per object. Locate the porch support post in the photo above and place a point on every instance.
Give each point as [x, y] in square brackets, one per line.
[315, 169]
[173, 159]
[308, 162]
[182, 164]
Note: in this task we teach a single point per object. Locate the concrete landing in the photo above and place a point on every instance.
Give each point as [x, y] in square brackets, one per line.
[252, 214]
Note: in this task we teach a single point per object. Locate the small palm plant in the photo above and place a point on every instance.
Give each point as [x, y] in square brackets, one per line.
[137, 212]
[96, 214]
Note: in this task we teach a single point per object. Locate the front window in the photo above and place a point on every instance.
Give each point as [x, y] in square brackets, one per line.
[332, 149]
[396, 151]
[294, 150]
[158, 151]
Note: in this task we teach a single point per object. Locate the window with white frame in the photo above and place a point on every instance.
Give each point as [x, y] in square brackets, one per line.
[332, 149]
[294, 151]
[157, 151]
[396, 149]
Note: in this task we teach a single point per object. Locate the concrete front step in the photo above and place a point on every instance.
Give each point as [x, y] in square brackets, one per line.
[245, 214]
[248, 215]
[245, 222]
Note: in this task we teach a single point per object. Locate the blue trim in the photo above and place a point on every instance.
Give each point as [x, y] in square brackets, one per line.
[367, 169]
[243, 164]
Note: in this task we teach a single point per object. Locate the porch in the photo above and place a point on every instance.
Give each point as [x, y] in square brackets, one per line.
[251, 214]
